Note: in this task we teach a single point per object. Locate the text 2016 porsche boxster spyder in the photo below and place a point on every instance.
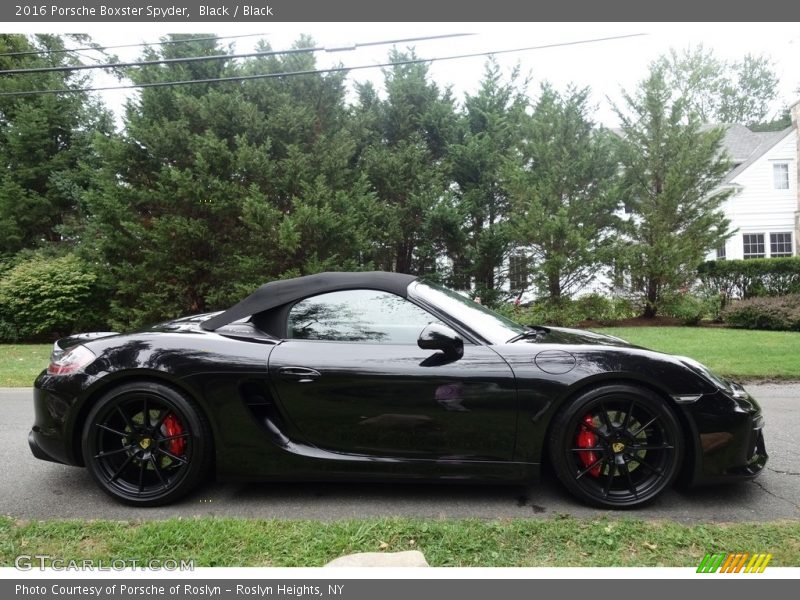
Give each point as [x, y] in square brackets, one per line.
[385, 376]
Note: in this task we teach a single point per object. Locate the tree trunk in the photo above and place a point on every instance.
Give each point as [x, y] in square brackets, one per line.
[403, 257]
[485, 275]
[554, 285]
[651, 303]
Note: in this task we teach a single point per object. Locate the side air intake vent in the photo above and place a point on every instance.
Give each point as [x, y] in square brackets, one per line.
[259, 400]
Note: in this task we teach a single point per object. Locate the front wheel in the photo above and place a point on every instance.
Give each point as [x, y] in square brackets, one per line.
[146, 444]
[616, 446]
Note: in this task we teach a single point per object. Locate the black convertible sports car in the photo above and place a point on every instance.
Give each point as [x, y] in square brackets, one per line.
[385, 376]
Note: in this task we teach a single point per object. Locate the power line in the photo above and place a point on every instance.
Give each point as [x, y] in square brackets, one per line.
[87, 57]
[100, 48]
[193, 59]
[317, 71]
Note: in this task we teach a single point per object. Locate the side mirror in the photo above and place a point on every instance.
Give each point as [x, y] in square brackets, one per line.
[441, 337]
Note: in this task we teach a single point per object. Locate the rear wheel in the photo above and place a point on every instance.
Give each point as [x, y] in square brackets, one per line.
[616, 446]
[146, 444]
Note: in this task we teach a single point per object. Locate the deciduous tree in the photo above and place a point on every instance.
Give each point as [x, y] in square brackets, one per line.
[720, 91]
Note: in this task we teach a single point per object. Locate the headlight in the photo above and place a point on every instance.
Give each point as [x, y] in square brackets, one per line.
[71, 361]
[717, 380]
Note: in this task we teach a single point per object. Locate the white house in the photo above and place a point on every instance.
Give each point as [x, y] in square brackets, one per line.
[764, 207]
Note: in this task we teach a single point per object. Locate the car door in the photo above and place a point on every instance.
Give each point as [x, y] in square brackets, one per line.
[350, 378]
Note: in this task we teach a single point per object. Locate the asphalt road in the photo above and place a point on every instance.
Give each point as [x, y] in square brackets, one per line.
[34, 489]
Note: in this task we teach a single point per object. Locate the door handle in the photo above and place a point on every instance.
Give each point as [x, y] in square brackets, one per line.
[299, 374]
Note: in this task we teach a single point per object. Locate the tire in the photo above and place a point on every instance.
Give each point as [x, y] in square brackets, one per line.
[146, 462]
[616, 446]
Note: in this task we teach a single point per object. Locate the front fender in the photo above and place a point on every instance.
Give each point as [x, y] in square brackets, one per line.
[544, 386]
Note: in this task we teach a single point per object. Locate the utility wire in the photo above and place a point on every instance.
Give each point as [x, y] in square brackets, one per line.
[317, 71]
[100, 48]
[193, 59]
[87, 57]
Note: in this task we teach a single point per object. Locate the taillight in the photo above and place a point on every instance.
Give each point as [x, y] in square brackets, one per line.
[71, 361]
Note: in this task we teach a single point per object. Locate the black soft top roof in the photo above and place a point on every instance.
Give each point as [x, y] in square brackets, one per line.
[278, 293]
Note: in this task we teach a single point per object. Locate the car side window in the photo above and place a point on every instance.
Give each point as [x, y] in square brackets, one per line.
[358, 316]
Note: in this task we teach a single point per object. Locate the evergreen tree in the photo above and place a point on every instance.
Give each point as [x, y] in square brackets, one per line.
[490, 133]
[672, 168]
[216, 188]
[404, 142]
[46, 144]
[326, 209]
[562, 193]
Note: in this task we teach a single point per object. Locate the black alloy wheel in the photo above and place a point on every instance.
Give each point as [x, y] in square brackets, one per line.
[146, 444]
[616, 446]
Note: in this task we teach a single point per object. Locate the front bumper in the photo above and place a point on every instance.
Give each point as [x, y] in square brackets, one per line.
[729, 437]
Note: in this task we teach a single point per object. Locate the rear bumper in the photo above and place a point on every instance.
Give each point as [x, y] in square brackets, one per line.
[34, 438]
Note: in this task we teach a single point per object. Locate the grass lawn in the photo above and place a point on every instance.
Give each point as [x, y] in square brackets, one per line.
[736, 353]
[21, 363]
[558, 541]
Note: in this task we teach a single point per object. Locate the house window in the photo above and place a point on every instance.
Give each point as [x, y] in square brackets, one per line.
[721, 253]
[780, 244]
[518, 272]
[753, 245]
[780, 176]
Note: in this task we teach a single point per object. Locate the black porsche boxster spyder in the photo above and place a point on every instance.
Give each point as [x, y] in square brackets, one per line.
[385, 376]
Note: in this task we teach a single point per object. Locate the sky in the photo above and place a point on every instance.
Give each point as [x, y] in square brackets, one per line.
[606, 67]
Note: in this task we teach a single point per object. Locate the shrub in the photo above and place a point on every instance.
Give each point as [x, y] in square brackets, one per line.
[544, 312]
[45, 297]
[690, 309]
[8, 332]
[568, 312]
[752, 277]
[780, 313]
[595, 306]
[713, 302]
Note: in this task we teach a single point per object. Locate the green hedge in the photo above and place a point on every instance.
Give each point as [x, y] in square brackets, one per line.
[752, 277]
[46, 297]
[568, 312]
[780, 313]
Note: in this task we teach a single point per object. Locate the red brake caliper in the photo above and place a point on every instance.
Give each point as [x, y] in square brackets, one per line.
[587, 439]
[172, 427]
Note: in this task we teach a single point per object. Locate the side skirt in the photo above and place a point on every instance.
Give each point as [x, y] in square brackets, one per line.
[293, 461]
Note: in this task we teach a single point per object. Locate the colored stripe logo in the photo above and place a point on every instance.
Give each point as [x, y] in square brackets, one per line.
[739, 562]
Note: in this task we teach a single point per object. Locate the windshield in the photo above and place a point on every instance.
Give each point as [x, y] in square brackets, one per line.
[494, 328]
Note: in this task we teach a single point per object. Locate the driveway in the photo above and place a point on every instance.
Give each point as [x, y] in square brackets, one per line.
[34, 489]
